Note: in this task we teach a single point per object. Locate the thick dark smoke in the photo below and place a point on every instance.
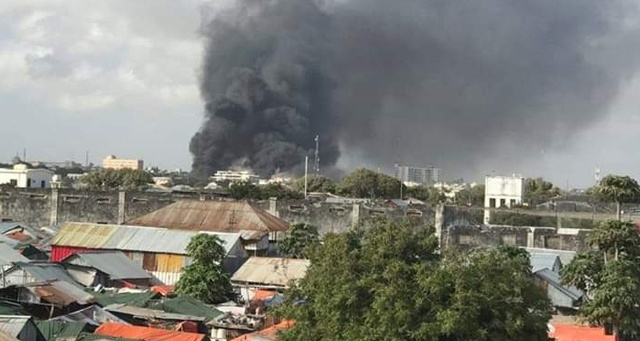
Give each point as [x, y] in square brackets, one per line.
[457, 83]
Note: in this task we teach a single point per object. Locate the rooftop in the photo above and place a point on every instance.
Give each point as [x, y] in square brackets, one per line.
[115, 264]
[219, 216]
[271, 271]
[132, 238]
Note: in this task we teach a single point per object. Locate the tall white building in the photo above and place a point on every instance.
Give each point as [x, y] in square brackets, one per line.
[502, 191]
[424, 176]
[23, 177]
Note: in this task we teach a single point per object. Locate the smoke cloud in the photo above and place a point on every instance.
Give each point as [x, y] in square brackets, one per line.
[459, 84]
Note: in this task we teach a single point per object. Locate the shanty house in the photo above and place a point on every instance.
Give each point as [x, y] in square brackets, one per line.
[159, 251]
[257, 227]
[22, 273]
[19, 327]
[561, 296]
[268, 273]
[111, 269]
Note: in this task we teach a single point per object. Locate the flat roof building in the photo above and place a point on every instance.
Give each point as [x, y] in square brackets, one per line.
[112, 162]
[23, 177]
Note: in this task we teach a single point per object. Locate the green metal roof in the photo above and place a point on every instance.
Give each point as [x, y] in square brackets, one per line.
[53, 330]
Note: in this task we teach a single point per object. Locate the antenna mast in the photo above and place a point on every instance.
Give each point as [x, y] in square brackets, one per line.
[316, 165]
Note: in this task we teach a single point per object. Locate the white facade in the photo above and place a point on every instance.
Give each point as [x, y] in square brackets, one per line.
[23, 177]
[502, 191]
[235, 176]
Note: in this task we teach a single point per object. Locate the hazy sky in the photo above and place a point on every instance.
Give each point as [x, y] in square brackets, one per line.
[121, 77]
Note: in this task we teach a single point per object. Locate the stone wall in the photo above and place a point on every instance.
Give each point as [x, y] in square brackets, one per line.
[46, 207]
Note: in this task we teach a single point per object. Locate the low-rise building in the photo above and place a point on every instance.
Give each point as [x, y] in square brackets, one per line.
[112, 162]
[235, 176]
[159, 251]
[502, 192]
[109, 269]
[268, 273]
[22, 176]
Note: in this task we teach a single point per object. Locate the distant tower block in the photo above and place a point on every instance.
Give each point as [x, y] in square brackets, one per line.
[596, 174]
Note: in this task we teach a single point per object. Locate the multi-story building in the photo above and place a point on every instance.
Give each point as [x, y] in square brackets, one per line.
[112, 162]
[235, 176]
[424, 176]
[502, 191]
[23, 177]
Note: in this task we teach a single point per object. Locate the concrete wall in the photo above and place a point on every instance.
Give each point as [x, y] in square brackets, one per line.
[45, 207]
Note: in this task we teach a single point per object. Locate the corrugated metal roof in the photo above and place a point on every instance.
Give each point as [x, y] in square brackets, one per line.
[146, 333]
[84, 235]
[115, 264]
[8, 226]
[93, 315]
[44, 272]
[150, 313]
[133, 238]
[8, 255]
[271, 271]
[4, 336]
[553, 278]
[541, 261]
[60, 293]
[565, 256]
[13, 324]
[219, 216]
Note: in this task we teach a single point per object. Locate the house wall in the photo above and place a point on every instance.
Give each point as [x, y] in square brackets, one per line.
[26, 178]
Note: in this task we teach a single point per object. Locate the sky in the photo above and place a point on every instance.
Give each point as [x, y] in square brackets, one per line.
[121, 77]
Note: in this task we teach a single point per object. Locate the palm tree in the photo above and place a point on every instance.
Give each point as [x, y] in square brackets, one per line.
[618, 189]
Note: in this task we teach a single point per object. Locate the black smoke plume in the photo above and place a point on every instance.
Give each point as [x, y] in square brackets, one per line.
[458, 83]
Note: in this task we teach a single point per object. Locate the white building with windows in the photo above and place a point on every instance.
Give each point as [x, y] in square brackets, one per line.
[23, 177]
[423, 176]
[502, 191]
[235, 176]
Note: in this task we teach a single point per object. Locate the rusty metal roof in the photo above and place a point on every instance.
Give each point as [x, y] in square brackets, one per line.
[114, 263]
[60, 293]
[221, 216]
[271, 271]
[133, 238]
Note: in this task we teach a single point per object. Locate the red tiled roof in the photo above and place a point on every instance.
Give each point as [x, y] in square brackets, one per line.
[145, 333]
[567, 332]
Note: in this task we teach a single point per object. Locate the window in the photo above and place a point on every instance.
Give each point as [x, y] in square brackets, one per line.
[28, 183]
[43, 184]
[512, 203]
[13, 182]
[503, 202]
[492, 202]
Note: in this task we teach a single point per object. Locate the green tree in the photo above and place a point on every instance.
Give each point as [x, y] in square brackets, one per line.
[299, 238]
[247, 190]
[608, 272]
[538, 190]
[618, 189]
[390, 282]
[471, 196]
[417, 192]
[205, 278]
[437, 196]
[365, 183]
[116, 179]
[316, 183]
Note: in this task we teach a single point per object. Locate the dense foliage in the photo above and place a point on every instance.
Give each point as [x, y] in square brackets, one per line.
[538, 191]
[609, 272]
[205, 278]
[316, 183]
[299, 238]
[116, 179]
[391, 283]
[248, 190]
[365, 183]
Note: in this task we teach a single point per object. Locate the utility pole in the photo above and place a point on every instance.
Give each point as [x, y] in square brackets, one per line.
[306, 174]
[316, 166]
